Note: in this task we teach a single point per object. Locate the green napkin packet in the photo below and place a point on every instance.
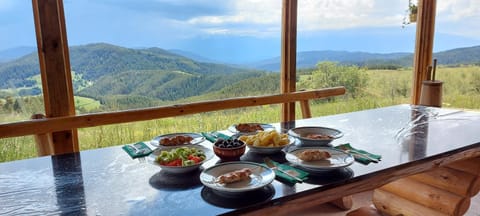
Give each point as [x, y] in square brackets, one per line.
[139, 149]
[213, 136]
[360, 156]
[294, 171]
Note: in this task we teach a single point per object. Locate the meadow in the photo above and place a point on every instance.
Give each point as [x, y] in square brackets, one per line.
[461, 90]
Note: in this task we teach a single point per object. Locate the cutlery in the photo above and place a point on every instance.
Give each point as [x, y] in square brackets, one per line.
[137, 150]
[270, 164]
[355, 153]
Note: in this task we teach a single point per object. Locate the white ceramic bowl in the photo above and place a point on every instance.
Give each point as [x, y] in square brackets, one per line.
[301, 134]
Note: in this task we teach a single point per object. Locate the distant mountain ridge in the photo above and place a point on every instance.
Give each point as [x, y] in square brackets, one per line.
[104, 70]
[308, 59]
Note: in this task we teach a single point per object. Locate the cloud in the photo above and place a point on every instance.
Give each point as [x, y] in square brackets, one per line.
[313, 15]
[258, 18]
[458, 10]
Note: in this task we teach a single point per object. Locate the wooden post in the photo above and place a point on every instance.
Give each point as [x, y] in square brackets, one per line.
[288, 56]
[423, 45]
[43, 142]
[55, 69]
[305, 106]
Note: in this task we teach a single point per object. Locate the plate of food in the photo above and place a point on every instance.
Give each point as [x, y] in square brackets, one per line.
[235, 177]
[180, 159]
[267, 142]
[176, 139]
[319, 158]
[314, 135]
[247, 128]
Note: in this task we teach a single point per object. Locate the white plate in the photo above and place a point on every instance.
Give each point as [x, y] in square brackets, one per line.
[180, 169]
[197, 138]
[260, 177]
[339, 159]
[269, 150]
[266, 127]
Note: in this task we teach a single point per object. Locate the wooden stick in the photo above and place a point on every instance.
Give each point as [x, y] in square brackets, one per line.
[434, 68]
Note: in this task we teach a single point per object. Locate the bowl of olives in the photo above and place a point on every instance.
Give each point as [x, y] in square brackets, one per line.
[229, 150]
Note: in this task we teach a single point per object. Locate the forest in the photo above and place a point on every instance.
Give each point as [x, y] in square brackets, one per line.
[366, 88]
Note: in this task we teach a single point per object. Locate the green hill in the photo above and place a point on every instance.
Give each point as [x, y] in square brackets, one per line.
[103, 70]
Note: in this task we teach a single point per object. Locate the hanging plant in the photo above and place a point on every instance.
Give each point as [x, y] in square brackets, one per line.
[412, 8]
[411, 14]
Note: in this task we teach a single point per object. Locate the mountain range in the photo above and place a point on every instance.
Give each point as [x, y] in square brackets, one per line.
[102, 70]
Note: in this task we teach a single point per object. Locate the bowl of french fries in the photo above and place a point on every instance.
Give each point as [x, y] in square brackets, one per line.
[267, 142]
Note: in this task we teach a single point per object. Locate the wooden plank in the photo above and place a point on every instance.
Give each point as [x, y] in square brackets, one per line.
[423, 45]
[325, 194]
[288, 56]
[55, 69]
[91, 120]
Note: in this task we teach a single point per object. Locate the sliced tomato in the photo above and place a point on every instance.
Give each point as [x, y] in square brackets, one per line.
[176, 162]
[196, 159]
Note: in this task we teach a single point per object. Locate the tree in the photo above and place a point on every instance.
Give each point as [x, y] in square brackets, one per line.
[330, 74]
[17, 107]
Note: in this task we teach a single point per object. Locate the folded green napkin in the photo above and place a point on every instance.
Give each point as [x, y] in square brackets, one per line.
[136, 150]
[360, 156]
[213, 136]
[294, 171]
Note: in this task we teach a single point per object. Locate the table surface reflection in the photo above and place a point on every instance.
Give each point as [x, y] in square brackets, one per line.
[108, 182]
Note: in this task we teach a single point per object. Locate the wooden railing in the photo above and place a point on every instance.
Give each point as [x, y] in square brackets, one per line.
[49, 125]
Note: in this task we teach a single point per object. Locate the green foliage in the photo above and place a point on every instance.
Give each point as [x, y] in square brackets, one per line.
[330, 74]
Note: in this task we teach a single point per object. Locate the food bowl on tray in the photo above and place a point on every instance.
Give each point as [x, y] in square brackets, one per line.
[267, 142]
[229, 150]
[314, 135]
[165, 158]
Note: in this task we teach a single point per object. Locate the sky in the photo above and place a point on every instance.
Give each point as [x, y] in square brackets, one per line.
[240, 31]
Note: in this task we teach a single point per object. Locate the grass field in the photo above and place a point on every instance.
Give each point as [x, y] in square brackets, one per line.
[461, 90]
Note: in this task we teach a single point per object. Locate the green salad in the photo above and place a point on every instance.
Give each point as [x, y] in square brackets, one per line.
[183, 156]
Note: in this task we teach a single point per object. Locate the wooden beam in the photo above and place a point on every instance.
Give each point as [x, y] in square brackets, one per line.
[423, 45]
[288, 56]
[52, 124]
[55, 69]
